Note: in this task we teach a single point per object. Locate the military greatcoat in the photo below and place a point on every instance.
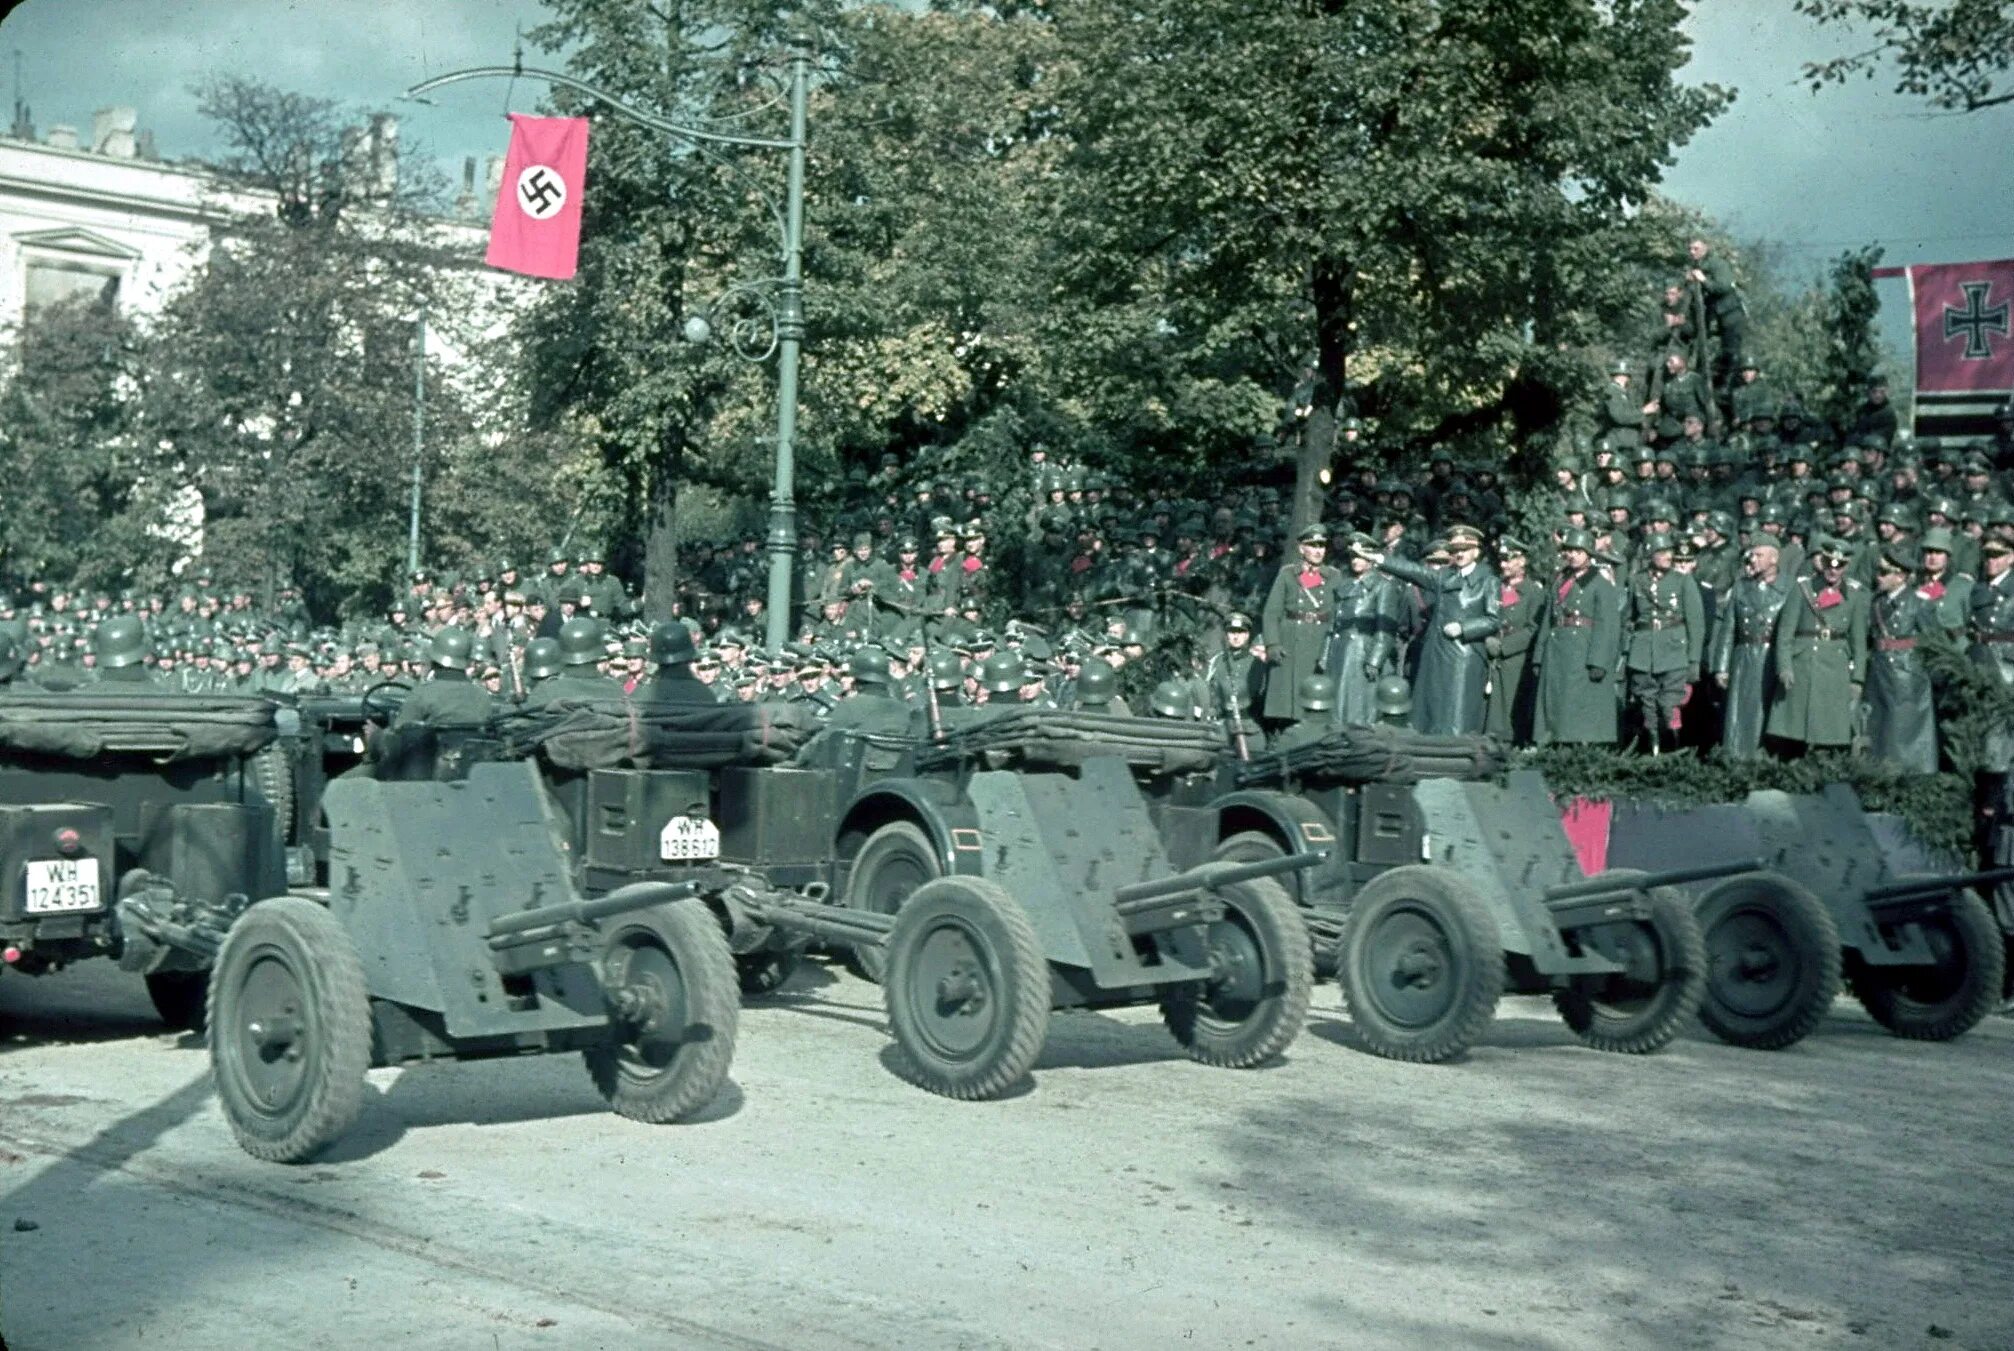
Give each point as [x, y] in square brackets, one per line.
[1575, 652]
[1448, 692]
[1901, 720]
[1295, 622]
[1363, 645]
[1513, 679]
[1821, 644]
[1992, 633]
[1742, 649]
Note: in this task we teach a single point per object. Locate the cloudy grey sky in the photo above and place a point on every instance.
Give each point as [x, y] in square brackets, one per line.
[1817, 173]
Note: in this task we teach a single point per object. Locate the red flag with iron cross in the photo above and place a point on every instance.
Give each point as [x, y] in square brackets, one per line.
[1964, 316]
[536, 227]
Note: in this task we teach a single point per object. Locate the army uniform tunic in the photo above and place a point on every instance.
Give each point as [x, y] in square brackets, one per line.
[447, 698]
[1992, 633]
[1363, 645]
[1448, 693]
[1621, 419]
[1513, 681]
[1298, 612]
[1901, 719]
[1743, 650]
[1821, 643]
[1665, 625]
[1231, 685]
[1575, 652]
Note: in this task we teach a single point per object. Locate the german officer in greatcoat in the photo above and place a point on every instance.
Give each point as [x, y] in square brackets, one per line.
[1463, 600]
[1901, 720]
[1300, 607]
[1576, 649]
[1363, 638]
[1821, 654]
[1743, 650]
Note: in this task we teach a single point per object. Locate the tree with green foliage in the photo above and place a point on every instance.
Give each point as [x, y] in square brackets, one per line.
[1955, 53]
[1424, 195]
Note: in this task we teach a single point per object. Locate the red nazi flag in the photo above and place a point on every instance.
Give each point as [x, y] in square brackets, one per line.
[536, 227]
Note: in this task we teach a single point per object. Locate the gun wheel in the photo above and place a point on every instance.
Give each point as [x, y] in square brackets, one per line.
[674, 1003]
[1421, 965]
[1772, 961]
[1658, 991]
[1253, 1007]
[967, 989]
[290, 1029]
[1961, 986]
[895, 861]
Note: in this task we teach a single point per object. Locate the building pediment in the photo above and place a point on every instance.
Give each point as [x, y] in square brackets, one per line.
[77, 243]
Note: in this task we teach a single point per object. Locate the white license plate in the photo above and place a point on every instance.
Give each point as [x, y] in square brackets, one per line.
[59, 886]
[688, 837]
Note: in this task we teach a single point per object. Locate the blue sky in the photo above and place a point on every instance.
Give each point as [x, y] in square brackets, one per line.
[1817, 173]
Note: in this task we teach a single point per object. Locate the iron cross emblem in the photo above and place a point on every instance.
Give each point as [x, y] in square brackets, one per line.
[542, 192]
[1976, 320]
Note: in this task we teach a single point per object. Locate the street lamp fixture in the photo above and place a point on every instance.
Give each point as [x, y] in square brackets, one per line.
[768, 313]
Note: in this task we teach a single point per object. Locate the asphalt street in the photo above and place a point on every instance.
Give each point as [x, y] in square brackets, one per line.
[1854, 1191]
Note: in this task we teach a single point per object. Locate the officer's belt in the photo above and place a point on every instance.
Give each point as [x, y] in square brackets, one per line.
[1306, 619]
[1895, 644]
[1573, 622]
[1659, 626]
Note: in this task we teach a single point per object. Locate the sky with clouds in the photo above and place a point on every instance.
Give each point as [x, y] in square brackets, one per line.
[1816, 173]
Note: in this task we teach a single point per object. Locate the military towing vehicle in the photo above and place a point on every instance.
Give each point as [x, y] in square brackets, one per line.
[1445, 883]
[1003, 870]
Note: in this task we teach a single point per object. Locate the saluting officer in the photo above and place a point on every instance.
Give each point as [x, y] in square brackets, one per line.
[1299, 608]
[1463, 600]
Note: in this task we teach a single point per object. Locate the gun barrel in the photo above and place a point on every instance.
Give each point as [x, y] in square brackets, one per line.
[1603, 883]
[1213, 875]
[635, 896]
[1931, 886]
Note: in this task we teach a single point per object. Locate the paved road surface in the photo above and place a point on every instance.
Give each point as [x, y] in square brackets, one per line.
[1853, 1192]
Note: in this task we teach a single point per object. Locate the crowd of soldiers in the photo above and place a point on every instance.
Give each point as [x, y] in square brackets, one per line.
[1711, 566]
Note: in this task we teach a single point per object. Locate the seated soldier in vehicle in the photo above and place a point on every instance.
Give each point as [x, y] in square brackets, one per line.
[447, 698]
[541, 664]
[672, 683]
[1317, 698]
[119, 651]
[1098, 690]
[872, 709]
[581, 646]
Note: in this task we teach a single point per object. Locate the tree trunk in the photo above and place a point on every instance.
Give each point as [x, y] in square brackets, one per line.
[1332, 288]
[660, 537]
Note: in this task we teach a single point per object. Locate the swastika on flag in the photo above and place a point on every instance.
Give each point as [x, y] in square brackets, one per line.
[541, 192]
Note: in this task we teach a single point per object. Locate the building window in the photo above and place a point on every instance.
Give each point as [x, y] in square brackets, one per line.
[54, 281]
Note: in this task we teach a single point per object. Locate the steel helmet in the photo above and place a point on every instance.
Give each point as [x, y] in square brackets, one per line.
[119, 641]
[947, 672]
[670, 644]
[1003, 673]
[1394, 697]
[1318, 693]
[869, 666]
[1171, 699]
[451, 648]
[1096, 684]
[541, 659]
[580, 642]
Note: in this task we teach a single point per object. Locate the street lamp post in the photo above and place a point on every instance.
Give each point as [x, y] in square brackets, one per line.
[782, 311]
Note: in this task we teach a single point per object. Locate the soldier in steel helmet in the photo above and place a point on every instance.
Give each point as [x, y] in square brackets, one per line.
[582, 646]
[872, 709]
[1394, 702]
[119, 651]
[671, 654]
[447, 698]
[1098, 689]
[1317, 696]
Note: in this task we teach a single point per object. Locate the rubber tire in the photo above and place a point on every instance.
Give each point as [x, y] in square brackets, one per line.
[762, 973]
[181, 998]
[306, 937]
[1473, 948]
[1261, 911]
[1674, 1002]
[689, 935]
[272, 773]
[998, 929]
[1803, 925]
[904, 838]
[1884, 990]
[1256, 846]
